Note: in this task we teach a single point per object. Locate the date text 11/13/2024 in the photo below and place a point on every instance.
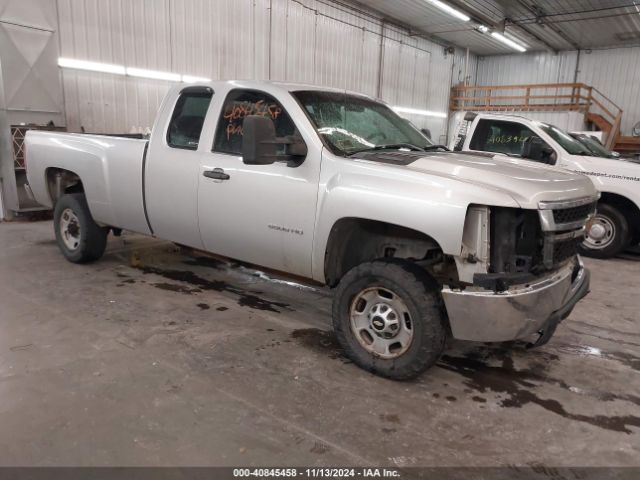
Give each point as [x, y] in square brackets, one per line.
[334, 473]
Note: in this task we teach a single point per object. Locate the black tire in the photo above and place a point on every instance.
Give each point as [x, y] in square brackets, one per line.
[635, 238]
[91, 239]
[420, 294]
[621, 236]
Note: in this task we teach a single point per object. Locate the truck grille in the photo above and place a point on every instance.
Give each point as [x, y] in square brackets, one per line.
[564, 250]
[529, 241]
[573, 214]
[562, 216]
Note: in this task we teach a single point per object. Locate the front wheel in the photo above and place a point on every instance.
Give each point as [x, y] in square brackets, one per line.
[387, 318]
[79, 238]
[608, 233]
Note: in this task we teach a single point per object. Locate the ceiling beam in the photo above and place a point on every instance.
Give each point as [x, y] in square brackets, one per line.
[539, 14]
[528, 31]
[499, 26]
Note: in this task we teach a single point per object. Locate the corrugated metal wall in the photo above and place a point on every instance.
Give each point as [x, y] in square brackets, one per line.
[615, 72]
[528, 68]
[311, 41]
[29, 52]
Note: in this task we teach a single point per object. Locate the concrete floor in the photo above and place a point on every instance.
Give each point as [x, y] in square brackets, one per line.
[152, 357]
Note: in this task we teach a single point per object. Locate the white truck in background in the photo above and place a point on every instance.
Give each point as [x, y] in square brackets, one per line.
[419, 242]
[617, 222]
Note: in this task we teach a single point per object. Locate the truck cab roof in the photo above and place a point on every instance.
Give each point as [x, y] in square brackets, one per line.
[268, 85]
[497, 116]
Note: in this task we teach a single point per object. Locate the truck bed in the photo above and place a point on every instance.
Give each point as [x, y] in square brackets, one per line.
[109, 168]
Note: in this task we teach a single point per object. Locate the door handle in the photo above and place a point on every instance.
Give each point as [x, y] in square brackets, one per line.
[217, 174]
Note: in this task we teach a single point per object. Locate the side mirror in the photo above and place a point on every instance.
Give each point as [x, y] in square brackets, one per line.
[260, 144]
[426, 132]
[535, 148]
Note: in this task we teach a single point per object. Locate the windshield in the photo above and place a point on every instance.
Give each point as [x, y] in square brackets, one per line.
[566, 141]
[350, 123]
[594, 146]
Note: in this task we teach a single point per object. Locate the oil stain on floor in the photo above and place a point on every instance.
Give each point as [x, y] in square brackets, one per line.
[515, 386]
[517, 389]
[244, 298]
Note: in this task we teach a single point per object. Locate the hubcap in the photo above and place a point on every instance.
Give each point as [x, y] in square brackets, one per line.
[601, 233]
[381, 322]
[70, 229]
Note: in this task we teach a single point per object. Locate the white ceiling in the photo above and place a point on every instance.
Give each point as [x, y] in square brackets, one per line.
[538, 24]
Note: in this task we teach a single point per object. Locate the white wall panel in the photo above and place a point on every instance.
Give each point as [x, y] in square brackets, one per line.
[528, 68]
[458, 70]
[300, 30]
[29, 71]
[308, 41]
[615, 72]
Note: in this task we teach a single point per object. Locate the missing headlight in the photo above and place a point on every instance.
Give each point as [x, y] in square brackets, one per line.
[516, 240]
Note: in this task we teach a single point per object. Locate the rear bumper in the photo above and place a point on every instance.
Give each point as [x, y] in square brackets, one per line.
[485, 316]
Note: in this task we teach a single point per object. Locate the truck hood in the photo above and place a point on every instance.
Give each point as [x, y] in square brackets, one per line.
[611, 166]
[526, 183]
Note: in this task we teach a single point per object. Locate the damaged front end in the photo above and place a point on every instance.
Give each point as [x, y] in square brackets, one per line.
[519, 270]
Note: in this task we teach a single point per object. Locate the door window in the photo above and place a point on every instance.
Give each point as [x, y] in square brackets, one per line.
[500, 136]
[188, 117]
[238, 105]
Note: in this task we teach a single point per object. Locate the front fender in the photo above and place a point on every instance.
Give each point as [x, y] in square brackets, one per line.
[432, 205]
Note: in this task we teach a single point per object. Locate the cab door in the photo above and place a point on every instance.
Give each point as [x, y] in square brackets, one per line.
[510, 138]
[172, 167]
[261, 214]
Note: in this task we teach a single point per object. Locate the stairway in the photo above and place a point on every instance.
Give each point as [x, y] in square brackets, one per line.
[627, 144]
[622, 144]
[600, 122]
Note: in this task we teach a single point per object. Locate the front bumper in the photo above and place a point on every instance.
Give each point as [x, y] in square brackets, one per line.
[482, 315]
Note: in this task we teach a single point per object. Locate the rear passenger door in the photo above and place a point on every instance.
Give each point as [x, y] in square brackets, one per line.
[172, 166]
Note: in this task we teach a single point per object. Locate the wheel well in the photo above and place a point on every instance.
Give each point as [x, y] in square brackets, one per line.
[61, 181]
[629, 209]
[353, 241]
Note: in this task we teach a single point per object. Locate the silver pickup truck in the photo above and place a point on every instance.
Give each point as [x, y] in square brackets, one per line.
[419, 242]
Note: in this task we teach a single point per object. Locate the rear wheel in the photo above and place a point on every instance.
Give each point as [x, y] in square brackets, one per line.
[79, 238]
[608, 233]
[387, 317]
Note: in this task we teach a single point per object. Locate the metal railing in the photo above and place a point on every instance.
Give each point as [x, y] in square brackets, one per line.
[577, 97]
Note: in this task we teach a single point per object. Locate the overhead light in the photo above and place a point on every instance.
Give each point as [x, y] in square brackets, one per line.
[450, 10]
[91, 66]
[506, 41]
[154, 74]
[121, 70]
[483, 28]
[192, 79]
[415, 111]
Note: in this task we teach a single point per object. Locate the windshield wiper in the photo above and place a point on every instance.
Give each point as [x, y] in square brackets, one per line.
[435, 147]
[398, 146]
